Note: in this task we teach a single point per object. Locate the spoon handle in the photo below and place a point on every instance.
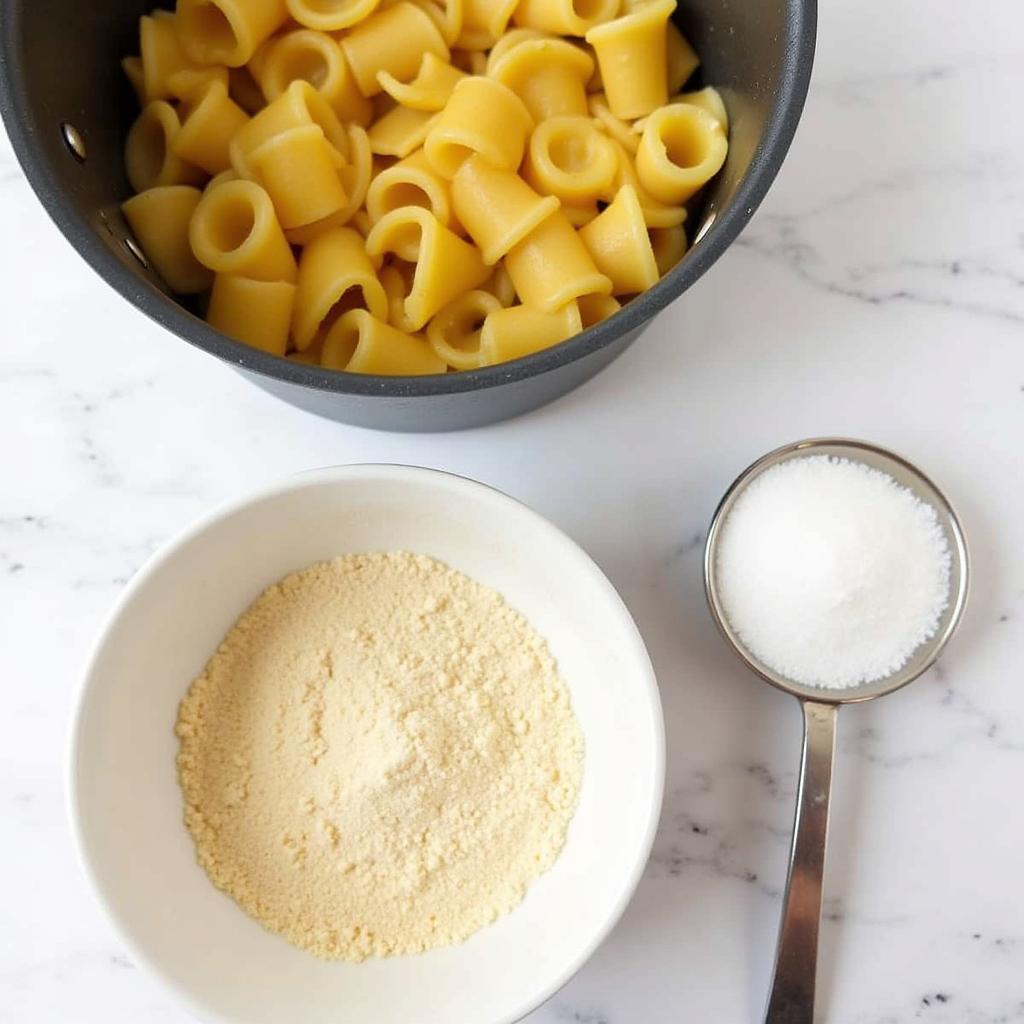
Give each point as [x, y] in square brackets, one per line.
[792, 997]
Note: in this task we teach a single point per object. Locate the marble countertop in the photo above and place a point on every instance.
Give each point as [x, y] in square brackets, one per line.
[879, 293]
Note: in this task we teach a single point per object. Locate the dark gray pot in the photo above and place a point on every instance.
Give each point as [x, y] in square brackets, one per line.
[60, 65]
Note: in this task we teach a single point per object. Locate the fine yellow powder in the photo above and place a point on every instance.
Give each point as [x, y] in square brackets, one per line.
[379, 758]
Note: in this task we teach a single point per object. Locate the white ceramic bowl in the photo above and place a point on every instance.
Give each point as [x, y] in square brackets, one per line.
[127, 810]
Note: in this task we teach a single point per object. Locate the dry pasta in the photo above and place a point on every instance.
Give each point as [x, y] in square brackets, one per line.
[415, 186]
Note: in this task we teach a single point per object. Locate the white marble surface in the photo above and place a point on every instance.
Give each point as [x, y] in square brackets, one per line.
[879, 292]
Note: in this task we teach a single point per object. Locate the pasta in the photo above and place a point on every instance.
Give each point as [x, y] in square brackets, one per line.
[619, 245]
[548, 75]
[454, 333]
[333, 267]
[359, 343]
[159, 219]
[632, 54]
[446, 266]
[415, 186]
[681, 149]
[234, 230]
[256, 312]
[496, 207]
[551, 266]
[149, 156]
[481, 116]
[521, 330]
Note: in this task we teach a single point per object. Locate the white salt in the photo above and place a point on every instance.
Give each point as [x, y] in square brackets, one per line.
[831, 573]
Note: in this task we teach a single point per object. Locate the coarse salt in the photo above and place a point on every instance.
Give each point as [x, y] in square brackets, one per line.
[831, 573]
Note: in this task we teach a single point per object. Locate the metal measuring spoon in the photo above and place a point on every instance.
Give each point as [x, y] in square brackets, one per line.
[792, 995]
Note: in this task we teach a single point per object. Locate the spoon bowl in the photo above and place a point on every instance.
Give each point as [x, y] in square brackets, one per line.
[793, 987]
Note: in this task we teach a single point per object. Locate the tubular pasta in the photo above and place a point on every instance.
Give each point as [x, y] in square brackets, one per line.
[149, 156]
[187, 82]
[400, 131]
[681, 59]
[682, 147]
[482, 116]
[631, 52]
[330, 15]
[496, 207]
[669, 246]
[446, 265]
[234, 231]
[429, 90]
[566, 17]
[657, 215]
[396, 279]
[299, 170]
[393, 40]
[226, 31]
[551, 266]
[159, 219]
[132, 67]
[454, 332]
[209, 120]
[618, 242]
[332, 266]
[595, 308]
[548, 75]
[484, 21]
[161, 53]
[500, 285]
[522, 330]
[410, 182]
[360, 343]
[619, 130]
[316, 58]
[571, 159]
[256, 312]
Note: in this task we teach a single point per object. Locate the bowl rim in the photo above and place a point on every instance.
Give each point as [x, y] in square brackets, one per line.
[296, 482]
[786, 108]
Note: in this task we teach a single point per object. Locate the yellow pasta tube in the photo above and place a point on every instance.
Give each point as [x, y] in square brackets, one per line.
[548, 75]
[657, 215]
[300, 104]
[631, 52]
[161, 52]
[226, 31]
[682, 147]
[330, 15]
[551, 266]
[569, 158]
[149, 156]
[500, 285]
[511, 39]
[482, 116]
[595, 308]
[618, 242]
[209, 120]
[186, 82]
[159, 219]
[484, 21]
[234, 231]
[255, 312]
[497, 207]
[219, 179]
[522, 330]
[681, 59]
[400, 131]
[360, 343]
[132, 67]
[580, 214]
[454, 332]
[429, 90]
[709, 99]
[446, 265]
[669, 245]
[334, 271]
[355, 179]
[621, 131]
[316, 58]
[393, 40]
[565, 17]
[300, 174]
[446, 15]
[410, 182]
